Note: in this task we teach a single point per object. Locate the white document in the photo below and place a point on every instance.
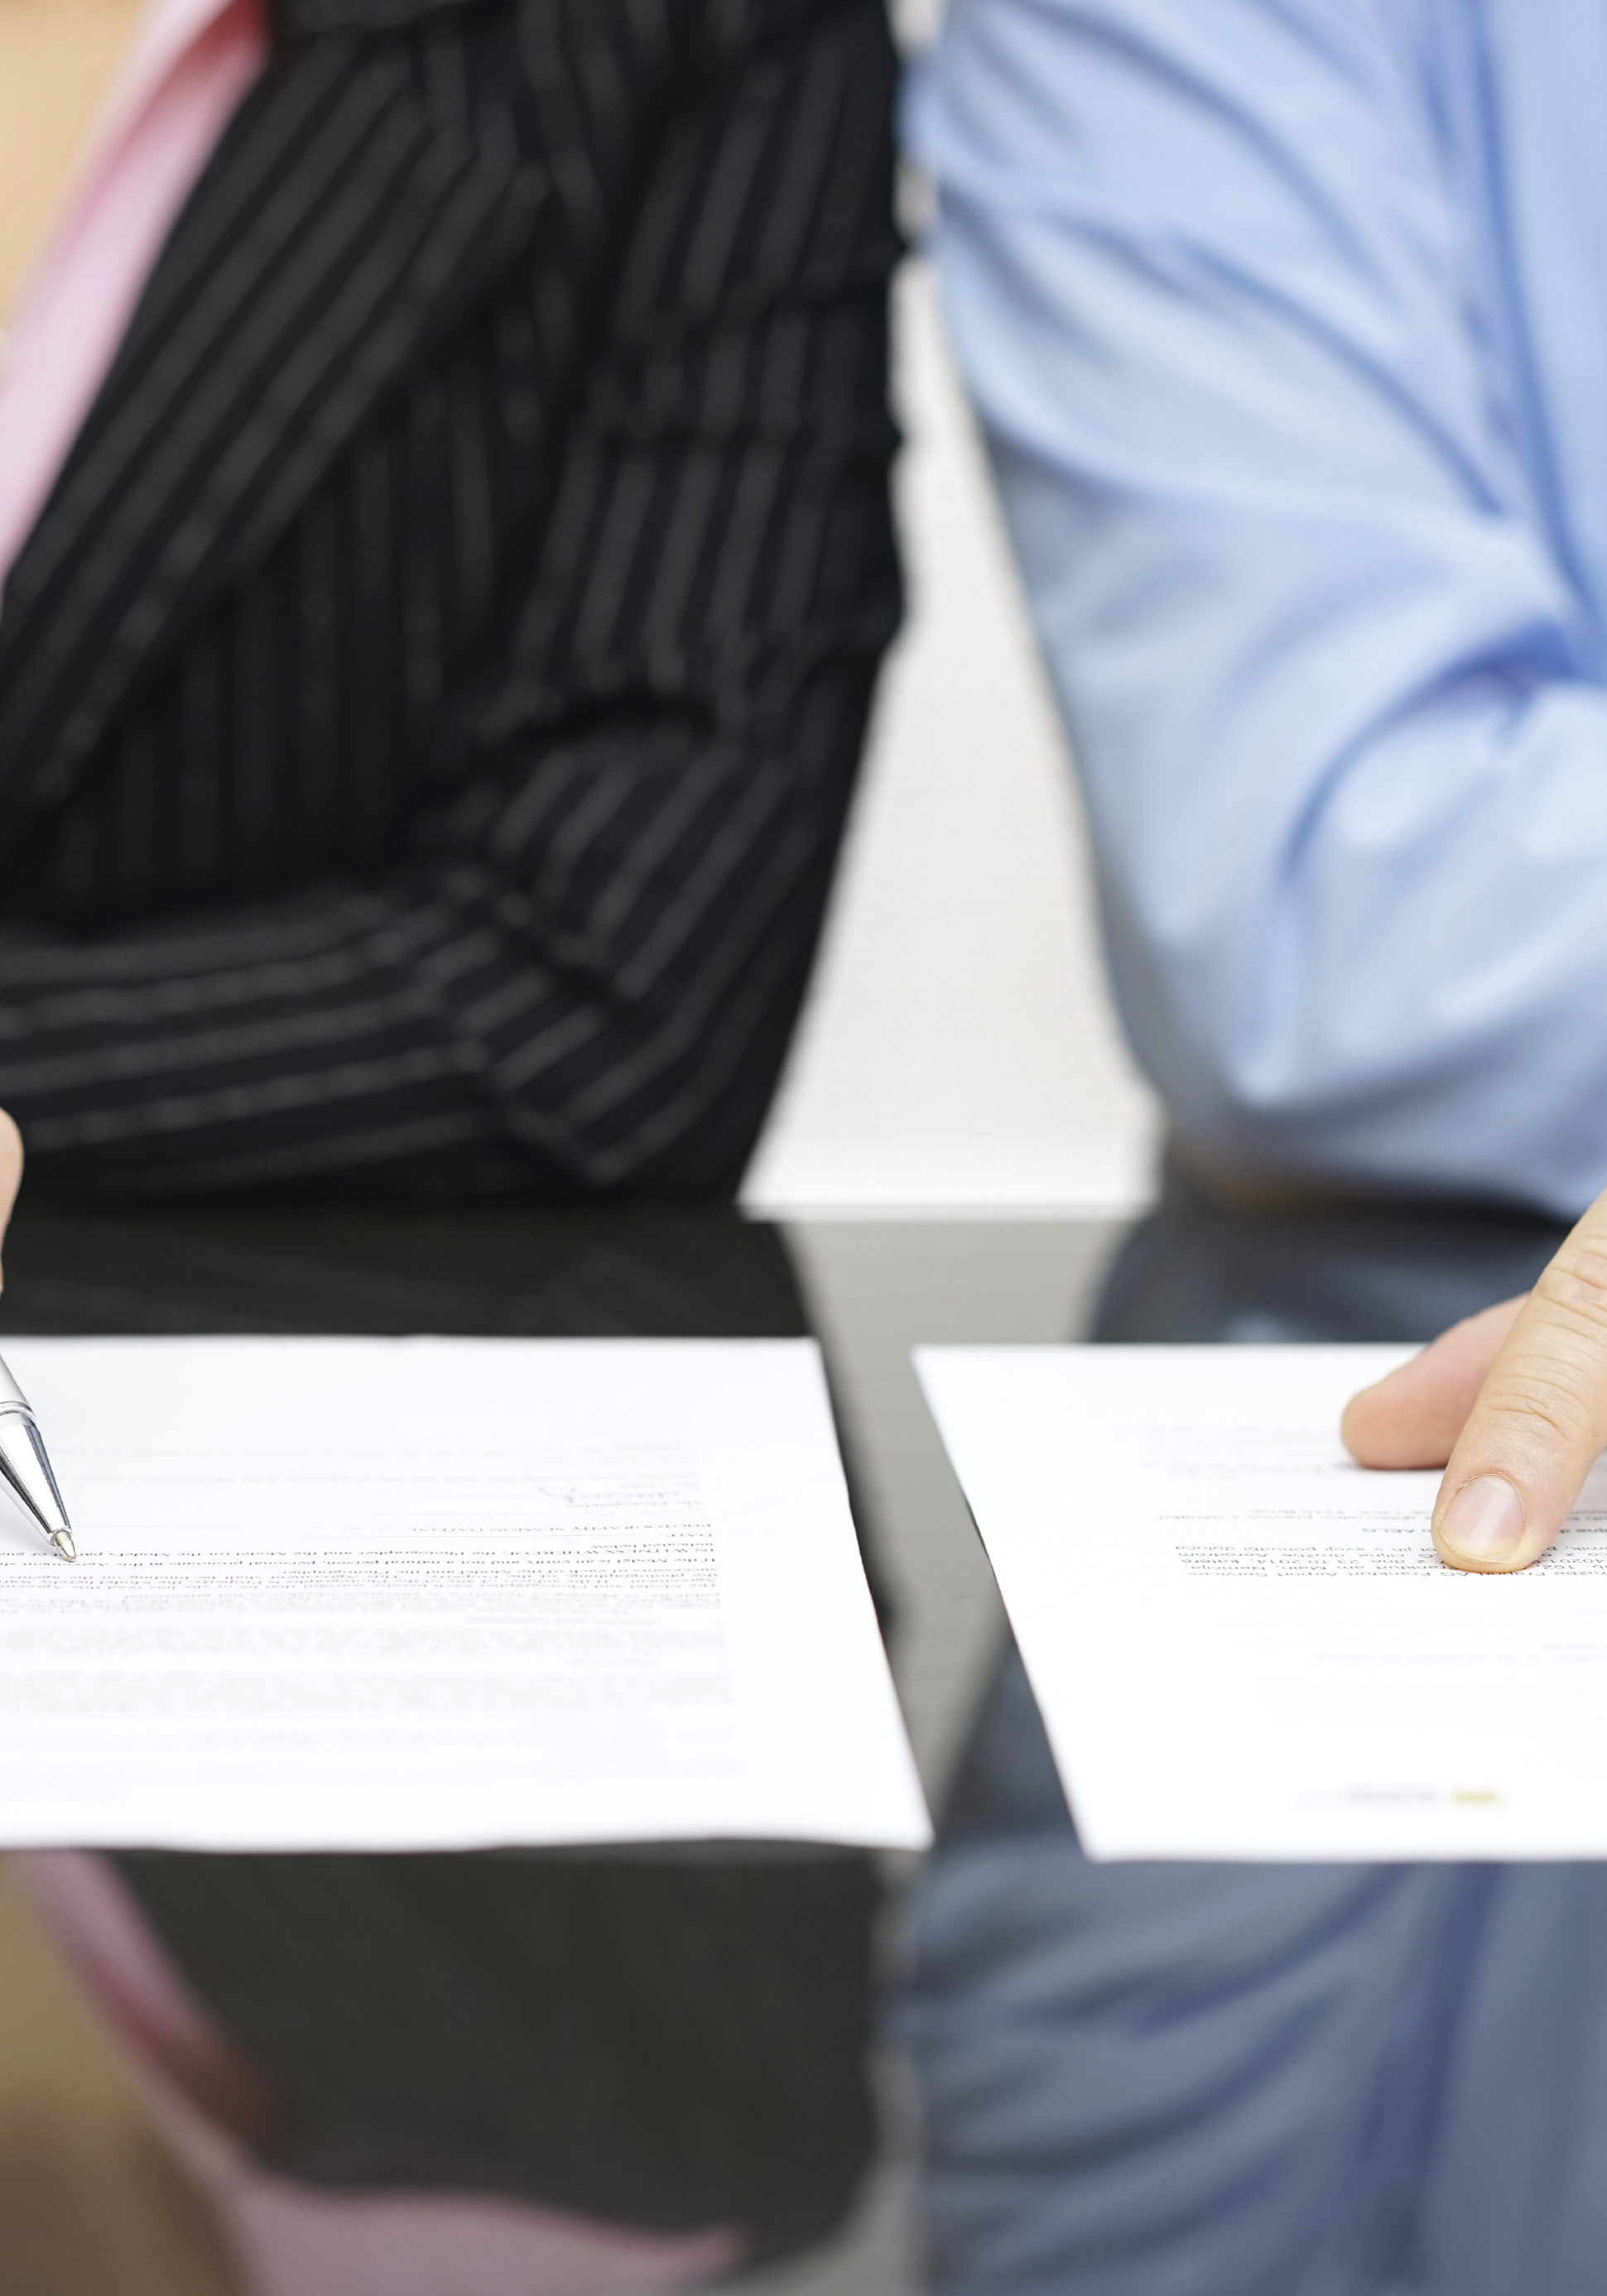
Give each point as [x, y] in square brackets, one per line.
[440, 1594]
[1244, 1645]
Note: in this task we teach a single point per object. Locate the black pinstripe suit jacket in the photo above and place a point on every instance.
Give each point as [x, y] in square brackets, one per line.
[430, 698]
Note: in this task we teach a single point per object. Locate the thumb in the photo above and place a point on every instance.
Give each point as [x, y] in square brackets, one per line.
[1538, 1421]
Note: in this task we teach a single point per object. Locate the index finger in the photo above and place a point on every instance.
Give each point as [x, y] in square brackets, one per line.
[1539, 1420]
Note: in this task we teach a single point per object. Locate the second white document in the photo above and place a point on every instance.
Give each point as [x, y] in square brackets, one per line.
[1243, 1644]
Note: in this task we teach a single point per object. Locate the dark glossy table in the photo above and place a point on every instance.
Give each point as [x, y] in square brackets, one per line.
[653, 2044]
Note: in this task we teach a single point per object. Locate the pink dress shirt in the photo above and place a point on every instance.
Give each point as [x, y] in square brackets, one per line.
[188, 66]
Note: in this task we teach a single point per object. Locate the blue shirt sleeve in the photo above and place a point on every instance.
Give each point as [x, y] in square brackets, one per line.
[1262, 440]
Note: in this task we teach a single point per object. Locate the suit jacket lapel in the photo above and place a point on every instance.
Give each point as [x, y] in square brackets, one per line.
[337, 228]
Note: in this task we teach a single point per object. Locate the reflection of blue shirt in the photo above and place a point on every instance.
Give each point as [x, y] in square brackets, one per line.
[1287, 320]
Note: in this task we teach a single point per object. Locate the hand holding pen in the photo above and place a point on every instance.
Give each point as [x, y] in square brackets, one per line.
[24, 1464]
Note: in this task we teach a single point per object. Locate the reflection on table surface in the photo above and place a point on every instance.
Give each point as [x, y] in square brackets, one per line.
[570, 2072]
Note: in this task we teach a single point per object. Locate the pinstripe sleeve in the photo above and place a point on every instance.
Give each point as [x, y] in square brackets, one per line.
[582, 972]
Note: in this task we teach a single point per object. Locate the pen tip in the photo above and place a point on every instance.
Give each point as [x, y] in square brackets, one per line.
[62, 1541]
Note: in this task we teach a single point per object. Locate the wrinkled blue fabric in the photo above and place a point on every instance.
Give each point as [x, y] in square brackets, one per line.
[1287, 324]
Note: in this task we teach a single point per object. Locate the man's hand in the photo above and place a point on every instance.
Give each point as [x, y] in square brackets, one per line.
[10, 1169]
[1512, 1404]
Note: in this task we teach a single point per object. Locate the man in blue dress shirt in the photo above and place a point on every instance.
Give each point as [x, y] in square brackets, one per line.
[1287, 324]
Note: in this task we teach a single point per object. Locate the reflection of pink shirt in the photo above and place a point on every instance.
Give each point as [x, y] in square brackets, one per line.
[287, 2239]
[190, 63]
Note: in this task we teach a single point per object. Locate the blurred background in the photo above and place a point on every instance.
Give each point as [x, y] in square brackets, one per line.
[957, 1051]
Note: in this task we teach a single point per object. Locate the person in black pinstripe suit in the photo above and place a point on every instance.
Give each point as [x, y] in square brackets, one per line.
[430, 698]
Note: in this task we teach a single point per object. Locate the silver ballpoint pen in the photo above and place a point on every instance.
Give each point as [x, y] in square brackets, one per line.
[25, 1467]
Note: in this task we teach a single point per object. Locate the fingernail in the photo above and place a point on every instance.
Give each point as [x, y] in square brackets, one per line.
[1485, 1520]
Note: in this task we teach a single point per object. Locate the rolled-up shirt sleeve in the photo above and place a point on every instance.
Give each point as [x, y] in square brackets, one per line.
[1275, 472]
